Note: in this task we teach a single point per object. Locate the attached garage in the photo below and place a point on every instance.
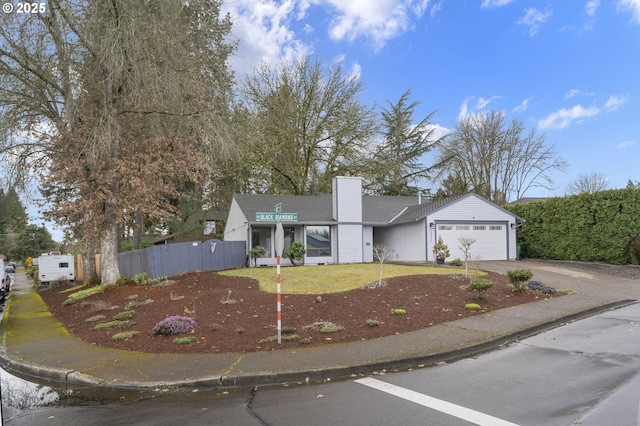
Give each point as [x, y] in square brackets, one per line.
[471, 216]
[491, 239]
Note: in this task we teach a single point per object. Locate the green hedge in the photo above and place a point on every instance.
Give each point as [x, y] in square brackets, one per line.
[585, 227]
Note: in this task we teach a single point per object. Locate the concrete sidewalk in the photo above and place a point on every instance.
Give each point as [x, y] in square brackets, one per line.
[35, 344]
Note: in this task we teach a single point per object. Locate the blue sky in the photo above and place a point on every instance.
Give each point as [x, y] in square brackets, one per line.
[570, 70]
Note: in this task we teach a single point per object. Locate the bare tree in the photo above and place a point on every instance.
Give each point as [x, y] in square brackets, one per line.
[588, 183]
[465, 246]
[499, 161]
[310, 126]
[381, 252]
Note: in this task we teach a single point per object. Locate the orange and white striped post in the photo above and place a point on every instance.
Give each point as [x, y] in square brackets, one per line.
[279, 303]
[279, 243]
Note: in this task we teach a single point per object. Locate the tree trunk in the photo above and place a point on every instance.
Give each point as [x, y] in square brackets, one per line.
[137, 231]
[109, 271]
[89, 261]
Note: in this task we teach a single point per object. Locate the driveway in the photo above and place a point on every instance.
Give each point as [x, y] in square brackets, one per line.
[606, 282]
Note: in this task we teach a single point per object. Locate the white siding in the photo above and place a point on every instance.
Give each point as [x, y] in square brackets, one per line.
[347, 199]
[472, 210]
[407, 241]
[237, 224]
[349, 243]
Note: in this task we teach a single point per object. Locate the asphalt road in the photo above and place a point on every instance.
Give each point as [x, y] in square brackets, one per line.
[583, 373]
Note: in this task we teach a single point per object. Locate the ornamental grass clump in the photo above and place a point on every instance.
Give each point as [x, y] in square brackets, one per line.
[174, 325]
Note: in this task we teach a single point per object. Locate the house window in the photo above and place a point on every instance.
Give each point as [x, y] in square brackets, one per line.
[445, 228]
[479, 228]
[261, 237]
[289, 235]
[495, 227]
[318, 241]
[462, 227]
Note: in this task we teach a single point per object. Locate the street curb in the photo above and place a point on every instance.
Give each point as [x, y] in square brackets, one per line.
[72, 377]
[408, 363]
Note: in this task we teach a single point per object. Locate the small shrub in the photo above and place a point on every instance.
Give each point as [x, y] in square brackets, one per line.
[440, 249]
[240, 330]
[375, 284]
[269, 339]
[185, 340]
[518, 278]
[456, 262]
[215, 326]
[228, 300]
[473, 306]
[287, 329]
[125, 315]
[95, 318]
[291, 337]
[333, 329]
[400, 312]
[174, 325]
[140, 278]
[136, 303]
[125, 335]
[306, 341]
[112, 324]
[295, 252]
[480, 286]
[79, 295]
[256, 252]
[372, 322]
[416, 298]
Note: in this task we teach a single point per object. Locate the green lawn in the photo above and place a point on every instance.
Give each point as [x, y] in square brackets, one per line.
[330, 278]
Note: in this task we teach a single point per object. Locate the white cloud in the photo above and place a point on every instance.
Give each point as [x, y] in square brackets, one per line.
[592, 7]
[533, 19]
[377, 21]
[571, 93]
[523, 106]
[614, 102]
[496, 3]
[482, 102]
[631, 5]
[263, 28]
[480, 105]
[565, 116]
[626, 144]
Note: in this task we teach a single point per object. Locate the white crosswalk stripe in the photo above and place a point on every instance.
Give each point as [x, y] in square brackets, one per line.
[458, 411]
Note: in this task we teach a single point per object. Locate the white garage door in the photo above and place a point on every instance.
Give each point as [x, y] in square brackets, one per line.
[490, 244]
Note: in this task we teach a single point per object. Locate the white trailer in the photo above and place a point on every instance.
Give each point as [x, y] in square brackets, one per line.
[57, 267]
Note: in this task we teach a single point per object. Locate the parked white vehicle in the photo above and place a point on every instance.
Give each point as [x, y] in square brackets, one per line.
[56, 268]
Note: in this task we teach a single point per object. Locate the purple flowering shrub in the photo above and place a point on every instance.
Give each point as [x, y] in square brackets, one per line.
[174, 325]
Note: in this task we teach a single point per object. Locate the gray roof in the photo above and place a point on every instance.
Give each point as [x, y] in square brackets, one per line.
[310, 208]
[419, 211]
[378, 210]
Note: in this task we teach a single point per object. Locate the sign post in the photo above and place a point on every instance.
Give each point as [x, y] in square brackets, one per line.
[279, 242]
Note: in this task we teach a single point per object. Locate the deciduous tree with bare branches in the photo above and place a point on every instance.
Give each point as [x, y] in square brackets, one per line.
[498, 160]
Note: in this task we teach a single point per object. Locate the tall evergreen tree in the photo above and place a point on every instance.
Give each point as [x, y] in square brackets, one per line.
[397, 167]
